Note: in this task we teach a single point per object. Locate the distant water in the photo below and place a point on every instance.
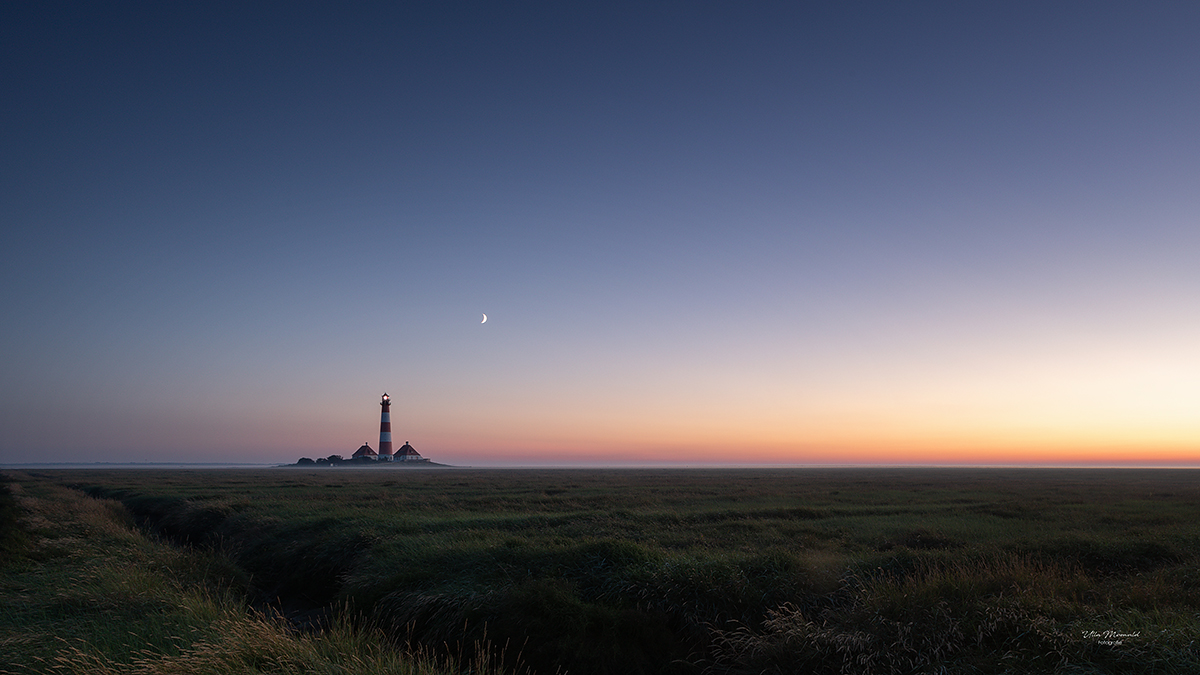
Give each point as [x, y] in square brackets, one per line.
[136, 465]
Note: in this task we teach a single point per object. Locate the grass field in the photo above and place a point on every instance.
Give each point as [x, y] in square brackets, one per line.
[682, 571]
[83, 591]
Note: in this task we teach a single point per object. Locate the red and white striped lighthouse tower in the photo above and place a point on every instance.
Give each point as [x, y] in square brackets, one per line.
[385, 430]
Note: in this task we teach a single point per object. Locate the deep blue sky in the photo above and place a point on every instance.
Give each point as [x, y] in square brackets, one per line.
[697, 228]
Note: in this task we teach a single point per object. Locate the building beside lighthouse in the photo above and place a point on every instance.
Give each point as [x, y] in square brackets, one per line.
[406, 453]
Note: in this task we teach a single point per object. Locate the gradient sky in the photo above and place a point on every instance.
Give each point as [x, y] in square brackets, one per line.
[783, 233]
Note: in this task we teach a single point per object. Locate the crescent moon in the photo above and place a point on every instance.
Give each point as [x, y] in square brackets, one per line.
[484, 319]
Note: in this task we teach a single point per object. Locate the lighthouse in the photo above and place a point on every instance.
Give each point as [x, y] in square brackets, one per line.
[385, 430]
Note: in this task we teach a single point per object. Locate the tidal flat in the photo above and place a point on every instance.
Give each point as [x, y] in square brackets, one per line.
[858, 570]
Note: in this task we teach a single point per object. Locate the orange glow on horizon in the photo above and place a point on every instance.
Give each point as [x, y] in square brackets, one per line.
[1137, 410]
[944, 451]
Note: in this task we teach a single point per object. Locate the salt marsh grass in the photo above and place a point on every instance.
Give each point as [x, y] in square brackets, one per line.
[716, 571]
[87, 592]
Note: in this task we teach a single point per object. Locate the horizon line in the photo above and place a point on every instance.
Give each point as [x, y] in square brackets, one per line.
[214, 465]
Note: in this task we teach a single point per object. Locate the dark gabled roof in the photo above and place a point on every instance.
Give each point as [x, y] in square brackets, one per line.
[364, 451]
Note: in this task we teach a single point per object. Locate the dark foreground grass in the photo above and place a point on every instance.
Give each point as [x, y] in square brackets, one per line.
[84, 592]
[825, 571]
